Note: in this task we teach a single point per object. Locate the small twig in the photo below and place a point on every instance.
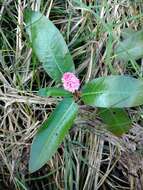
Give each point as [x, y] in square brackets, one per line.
[49, 9]
[90, 65]
[19, 32]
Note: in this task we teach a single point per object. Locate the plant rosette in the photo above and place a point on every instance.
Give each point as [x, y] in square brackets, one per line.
[111, 94]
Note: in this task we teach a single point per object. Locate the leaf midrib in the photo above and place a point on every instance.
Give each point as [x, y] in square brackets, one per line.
[107, 92]
[54, 57]
[40, 154]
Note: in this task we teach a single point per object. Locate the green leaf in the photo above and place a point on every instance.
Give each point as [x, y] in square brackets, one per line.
[49, 45]
[53, 91]
[131, 47]
[52, 133]
[113, 92]
[116, 120]
[127, 32]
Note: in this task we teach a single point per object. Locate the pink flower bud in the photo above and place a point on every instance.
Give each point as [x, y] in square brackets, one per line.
[70, 82]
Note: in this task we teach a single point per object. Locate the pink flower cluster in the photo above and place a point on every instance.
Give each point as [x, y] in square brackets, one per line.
[70, 82]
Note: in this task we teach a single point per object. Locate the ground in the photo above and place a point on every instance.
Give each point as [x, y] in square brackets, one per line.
[90, 157]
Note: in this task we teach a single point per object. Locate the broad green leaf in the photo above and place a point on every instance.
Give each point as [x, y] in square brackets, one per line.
[116, 120]
[113, 92]
[53, 91]
[52, 133]
[127, 32]
[131, 47]
[49, 45]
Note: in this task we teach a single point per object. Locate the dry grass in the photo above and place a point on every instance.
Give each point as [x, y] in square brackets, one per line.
[90, 158]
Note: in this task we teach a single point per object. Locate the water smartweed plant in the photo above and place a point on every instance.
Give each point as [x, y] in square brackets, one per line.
[110, 94]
